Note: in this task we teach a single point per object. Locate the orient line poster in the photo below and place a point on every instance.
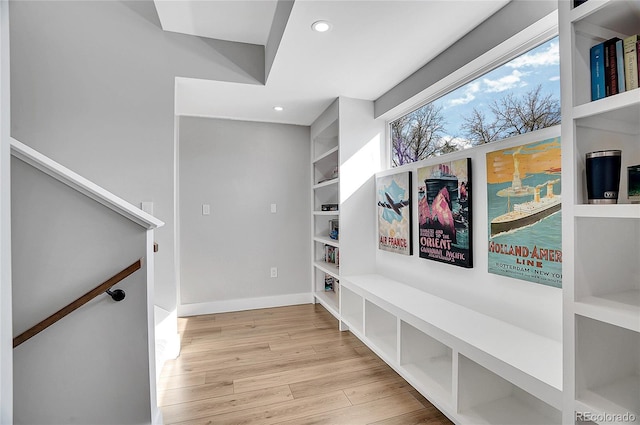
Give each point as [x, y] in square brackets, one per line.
[444, 212]
[394, 213]
[524, 210]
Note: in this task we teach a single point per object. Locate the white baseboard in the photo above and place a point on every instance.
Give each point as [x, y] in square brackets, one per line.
[156, 416]
[243, 304]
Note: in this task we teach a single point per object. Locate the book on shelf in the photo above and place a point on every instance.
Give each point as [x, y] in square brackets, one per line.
[330, 283]
[334, 231]
[620, 66]
[630, 46]
[615, 66]
[597, 72]
[610, 67]
[329, 207]
[331, 255]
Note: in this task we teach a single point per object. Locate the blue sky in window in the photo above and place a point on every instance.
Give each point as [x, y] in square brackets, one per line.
[539, 66]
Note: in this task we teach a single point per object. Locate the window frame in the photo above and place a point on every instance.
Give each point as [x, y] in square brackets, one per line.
[529, 38]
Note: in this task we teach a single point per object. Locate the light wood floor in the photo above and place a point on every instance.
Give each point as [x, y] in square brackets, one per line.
[287, 365]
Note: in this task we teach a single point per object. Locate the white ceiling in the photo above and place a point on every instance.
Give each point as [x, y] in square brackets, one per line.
[230, 20]
[373, 45]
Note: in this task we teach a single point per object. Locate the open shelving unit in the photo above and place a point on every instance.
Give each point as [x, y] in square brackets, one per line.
[601, 275]
[346, 136]
[491, 372]
[429, 360]
[325, 188]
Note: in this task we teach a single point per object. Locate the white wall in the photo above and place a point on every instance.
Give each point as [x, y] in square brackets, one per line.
[361, 153]
[6, 350]
[529, 305]
[93, 88]
[93, 365]
[240, 168]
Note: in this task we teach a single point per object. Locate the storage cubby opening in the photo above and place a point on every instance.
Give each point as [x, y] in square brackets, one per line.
[323, 281]
[607, 367]
[381, 329]
[426, 359]
[327, 256]
[352, 309]
[327, 196]
[326, 140]
[329, 297]
[322, 226]
[589, 139]
[485, 397]
[326, 168]
[607, 264]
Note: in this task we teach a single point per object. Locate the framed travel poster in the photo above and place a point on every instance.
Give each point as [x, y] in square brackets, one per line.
[444, 212]
[524, 212]
[394, 213]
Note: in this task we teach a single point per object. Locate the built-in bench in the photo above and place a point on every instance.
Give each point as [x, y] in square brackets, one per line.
[474, 367]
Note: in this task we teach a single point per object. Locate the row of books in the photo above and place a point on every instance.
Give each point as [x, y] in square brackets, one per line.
[331, 283]
[331, 255]
[614, 66]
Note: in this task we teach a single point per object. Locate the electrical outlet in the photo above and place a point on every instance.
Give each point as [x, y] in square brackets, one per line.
[274, 272]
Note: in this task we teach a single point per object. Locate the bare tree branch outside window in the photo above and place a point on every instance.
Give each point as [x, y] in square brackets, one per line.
[483, 115]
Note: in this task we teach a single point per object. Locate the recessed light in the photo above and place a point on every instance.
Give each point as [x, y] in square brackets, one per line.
[278, 108]
[321, 26]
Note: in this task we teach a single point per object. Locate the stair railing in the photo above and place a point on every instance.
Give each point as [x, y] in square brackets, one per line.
[105, 287]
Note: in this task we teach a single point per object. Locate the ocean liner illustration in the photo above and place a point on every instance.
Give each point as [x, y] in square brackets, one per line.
[530, 212]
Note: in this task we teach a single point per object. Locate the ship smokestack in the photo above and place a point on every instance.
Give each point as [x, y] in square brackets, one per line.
[536, 196]
[550, 190]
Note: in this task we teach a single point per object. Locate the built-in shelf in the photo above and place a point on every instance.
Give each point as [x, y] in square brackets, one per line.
[486, 398]
[332, 151]
[329, 300]
[607, 368]
[607, 211]
[621, 106]
[326, 240]
[326, 183]
[382, 330]
[619, 14]
[619, 308]
[352, 310]
[428, 363]
[429, 324]
[328, 268]
[616, 402]
[327, 213]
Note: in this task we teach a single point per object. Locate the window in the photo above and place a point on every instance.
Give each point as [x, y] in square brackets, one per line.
[520, 96]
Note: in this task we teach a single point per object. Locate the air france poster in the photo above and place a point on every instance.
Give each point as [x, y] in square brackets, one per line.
[394, 213]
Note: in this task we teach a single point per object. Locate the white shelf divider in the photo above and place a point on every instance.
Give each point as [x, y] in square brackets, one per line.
[328, 268]
[619, 308]
[608, 211]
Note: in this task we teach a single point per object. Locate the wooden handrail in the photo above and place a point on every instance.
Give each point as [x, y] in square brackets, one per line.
[100, 289]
